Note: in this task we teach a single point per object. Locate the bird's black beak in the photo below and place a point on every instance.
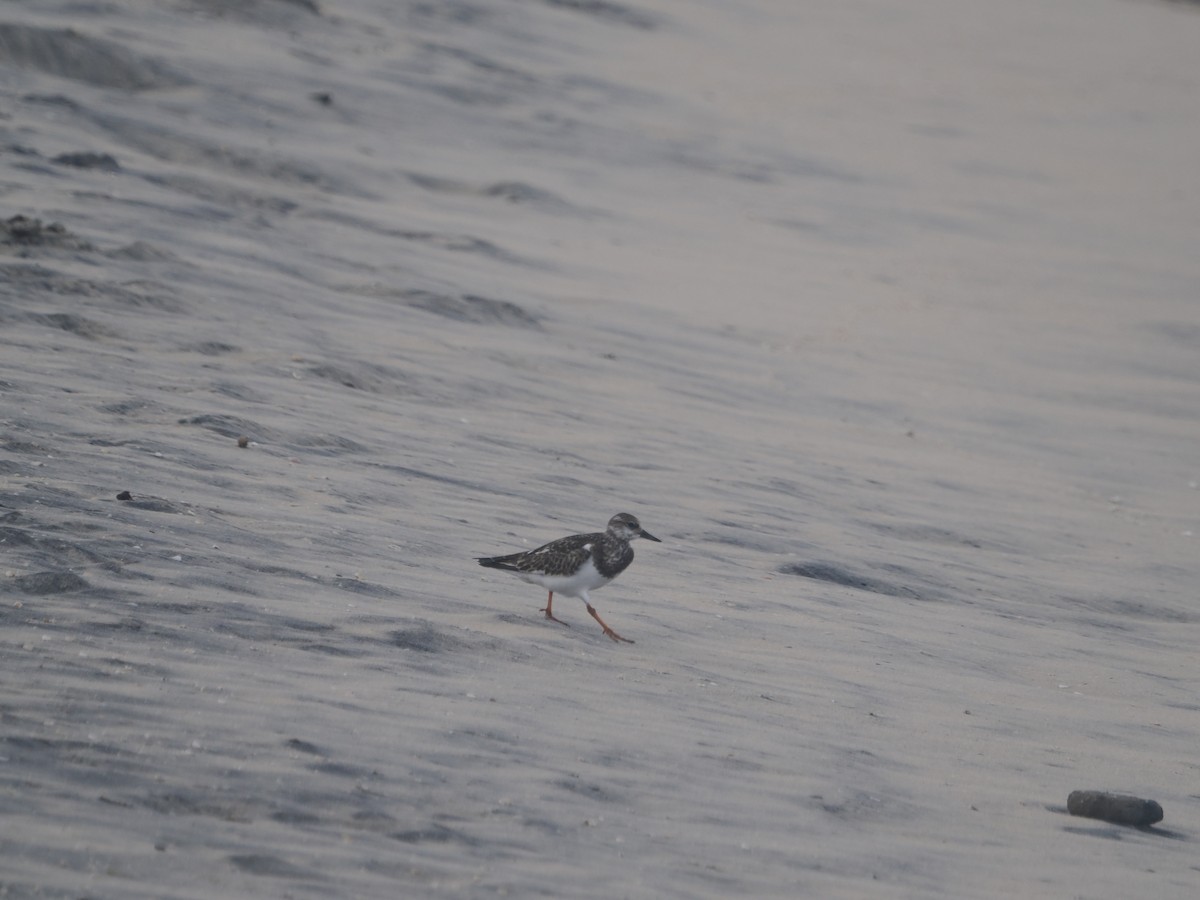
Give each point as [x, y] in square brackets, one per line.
[648, 536]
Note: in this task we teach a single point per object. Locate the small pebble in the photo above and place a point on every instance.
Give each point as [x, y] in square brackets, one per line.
[1121, 809]
[124, 495]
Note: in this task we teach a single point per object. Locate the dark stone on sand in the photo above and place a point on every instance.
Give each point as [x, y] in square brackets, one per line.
[23, 231]
[84, 160]
[1121, 809]
[243, 441]
[41, 583]
[834, 573]
[124, 495]
[303, 747]
[72, 324]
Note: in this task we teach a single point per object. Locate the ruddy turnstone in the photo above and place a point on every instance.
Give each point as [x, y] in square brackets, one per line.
[577, 564]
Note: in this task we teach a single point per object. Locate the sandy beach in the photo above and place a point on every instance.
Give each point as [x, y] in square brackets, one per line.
[884, 317]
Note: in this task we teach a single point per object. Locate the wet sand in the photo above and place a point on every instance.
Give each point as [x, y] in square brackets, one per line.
[882, 318]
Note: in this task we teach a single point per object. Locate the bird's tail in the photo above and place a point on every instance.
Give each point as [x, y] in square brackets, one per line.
[498, 562]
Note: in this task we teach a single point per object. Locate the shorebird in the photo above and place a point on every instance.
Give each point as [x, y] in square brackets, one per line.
[577, 564]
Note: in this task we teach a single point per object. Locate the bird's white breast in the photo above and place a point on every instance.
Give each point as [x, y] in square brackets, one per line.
[585, 578]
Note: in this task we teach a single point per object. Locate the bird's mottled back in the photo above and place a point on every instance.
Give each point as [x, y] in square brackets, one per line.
[561, 557]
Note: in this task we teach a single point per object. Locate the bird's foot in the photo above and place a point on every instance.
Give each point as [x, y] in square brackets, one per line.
[608, 631]
[616, 637]
[554, 618]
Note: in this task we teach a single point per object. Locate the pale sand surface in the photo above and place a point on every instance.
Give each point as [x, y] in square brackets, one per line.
[882, 316]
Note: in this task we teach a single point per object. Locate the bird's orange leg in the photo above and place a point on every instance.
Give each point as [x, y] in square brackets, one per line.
[549, 613]
[612, 634]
